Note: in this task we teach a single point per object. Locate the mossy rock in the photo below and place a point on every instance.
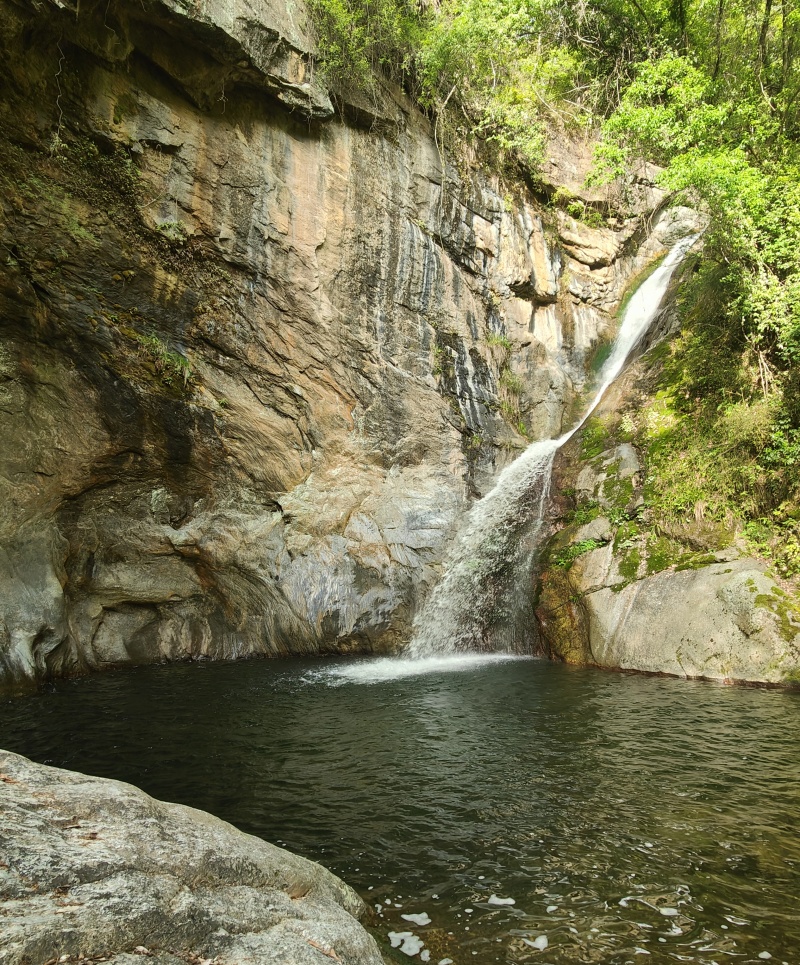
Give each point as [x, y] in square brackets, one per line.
[784, 608]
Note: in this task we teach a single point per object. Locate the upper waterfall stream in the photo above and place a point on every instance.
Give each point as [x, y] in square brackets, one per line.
[475, 606]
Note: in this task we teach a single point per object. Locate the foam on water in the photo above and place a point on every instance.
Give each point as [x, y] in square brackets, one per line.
[422, 918]
[382, 669]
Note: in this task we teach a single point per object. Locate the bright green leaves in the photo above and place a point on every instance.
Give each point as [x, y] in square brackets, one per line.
[486, 59]
[497, 69]
[715, 117]
[510, 119]
[469, 47]
[356, 39]
[755, 232]
[666, 110]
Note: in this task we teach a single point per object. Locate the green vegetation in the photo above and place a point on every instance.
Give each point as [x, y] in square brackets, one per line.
[566, 557]
[170, 366]
[709, 84]
[717, 459]
[710, 91]
[510, 392]
[630, 562]
[174, 232]
[360, 39]
[495, 70]
[787, 612]
[577, 208]
[716, 104]
[585, 512]
[511, 382]
[594, 438]
[498, 340]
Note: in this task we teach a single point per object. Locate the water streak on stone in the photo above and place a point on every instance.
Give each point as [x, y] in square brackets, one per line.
[479, 604]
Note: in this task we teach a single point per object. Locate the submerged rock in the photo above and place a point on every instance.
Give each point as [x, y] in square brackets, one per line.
[95, 868]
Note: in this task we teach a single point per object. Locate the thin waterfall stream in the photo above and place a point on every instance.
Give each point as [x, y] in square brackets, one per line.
[478, 605]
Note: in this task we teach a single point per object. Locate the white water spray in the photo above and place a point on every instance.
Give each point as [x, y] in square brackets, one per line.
[473, 608]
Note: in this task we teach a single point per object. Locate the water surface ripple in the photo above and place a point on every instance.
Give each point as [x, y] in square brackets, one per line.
[631, 819]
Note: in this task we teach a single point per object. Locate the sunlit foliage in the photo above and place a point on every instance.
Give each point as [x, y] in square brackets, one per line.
[707, 89]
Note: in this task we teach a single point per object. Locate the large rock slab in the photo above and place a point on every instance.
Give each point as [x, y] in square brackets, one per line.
[93, 868]
[725, 621]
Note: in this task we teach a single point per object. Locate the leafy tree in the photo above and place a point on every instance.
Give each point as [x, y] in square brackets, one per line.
[358, 40]
[707, 89]
[719, 113]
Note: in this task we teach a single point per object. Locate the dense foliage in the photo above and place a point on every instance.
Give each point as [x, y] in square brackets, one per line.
[710, 91]
[492, 68]
[717, 107]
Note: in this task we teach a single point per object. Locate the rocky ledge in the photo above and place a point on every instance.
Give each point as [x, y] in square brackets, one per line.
[623, 589]
[96, 869]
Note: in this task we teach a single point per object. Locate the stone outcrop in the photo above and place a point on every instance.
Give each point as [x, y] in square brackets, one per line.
[618, 592]
[256, 355]
[95, 869]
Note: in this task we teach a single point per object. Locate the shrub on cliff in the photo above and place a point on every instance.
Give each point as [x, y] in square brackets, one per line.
[718, 112]
[479, 66]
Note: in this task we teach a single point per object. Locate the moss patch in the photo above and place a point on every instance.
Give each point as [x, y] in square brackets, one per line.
[594, 438]
[585, 512]
[566, 557]
[786, 611]
[617, 490]
[630, 562]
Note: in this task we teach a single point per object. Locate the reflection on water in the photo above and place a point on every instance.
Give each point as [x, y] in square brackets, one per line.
[630, 819]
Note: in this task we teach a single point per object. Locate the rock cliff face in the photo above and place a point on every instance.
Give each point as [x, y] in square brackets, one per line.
[257, 355]
[97, 869]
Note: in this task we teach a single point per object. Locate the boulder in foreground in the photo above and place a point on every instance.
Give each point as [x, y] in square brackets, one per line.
[94, 868]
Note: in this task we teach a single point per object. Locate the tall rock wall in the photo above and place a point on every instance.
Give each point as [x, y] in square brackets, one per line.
[256, 355]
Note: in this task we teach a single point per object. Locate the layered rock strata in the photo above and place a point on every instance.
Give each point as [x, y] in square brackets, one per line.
[96, 870]
[256, 355]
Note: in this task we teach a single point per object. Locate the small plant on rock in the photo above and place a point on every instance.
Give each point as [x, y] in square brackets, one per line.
[168, 364]
[173, 231]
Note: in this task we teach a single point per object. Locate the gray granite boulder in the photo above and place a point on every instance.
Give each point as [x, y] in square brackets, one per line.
[96, 869]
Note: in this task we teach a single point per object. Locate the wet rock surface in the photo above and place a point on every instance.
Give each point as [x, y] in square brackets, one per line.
[96, 869]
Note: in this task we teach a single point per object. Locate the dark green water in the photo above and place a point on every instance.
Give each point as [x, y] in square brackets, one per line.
[624, 815]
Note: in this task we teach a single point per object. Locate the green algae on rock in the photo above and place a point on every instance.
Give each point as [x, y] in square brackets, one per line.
[654, 594]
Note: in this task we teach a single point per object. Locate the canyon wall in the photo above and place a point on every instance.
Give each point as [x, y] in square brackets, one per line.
[257, 352]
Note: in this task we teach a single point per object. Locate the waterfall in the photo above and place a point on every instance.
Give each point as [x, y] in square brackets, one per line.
[478, 603]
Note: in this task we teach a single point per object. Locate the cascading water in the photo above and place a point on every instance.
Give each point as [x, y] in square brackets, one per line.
[474, 607]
